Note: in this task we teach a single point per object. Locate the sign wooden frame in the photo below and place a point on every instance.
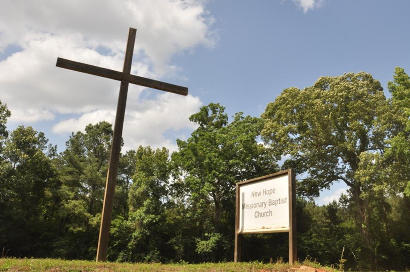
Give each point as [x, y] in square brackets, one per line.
[292, 214]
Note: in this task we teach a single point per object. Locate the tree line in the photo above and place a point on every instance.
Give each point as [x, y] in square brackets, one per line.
[180, 207]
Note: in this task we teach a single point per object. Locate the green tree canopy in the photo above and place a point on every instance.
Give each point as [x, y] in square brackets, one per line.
[27, 192]
[82, 170]
[210, 162]
[322, 130]
[338, 130]
[398, 155]
[144, 235]
[4, 114]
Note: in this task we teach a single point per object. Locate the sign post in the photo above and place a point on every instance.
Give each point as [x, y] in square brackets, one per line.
[266, 205]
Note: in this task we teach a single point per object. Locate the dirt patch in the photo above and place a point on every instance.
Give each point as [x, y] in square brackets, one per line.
[304, 268]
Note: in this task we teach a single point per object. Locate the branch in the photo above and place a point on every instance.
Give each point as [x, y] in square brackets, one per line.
[349, 183]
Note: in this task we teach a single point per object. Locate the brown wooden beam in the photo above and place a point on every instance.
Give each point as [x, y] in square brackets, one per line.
[88, 69]
[112, 74]
[115, 155]
[159, 85]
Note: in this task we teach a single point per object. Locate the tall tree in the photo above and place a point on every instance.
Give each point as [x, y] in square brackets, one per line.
[4, 170]
[126, 171]
[398, 154]
[144, 236]
[27, 194]
[216, 156]
[326, 131]
[82, 170]
[323, 129]
[4, 114]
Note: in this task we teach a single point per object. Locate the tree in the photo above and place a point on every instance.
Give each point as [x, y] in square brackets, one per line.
[4, 114]
[321, 234]
[216, 156]
[27, 194]
[396, 165]
[397, 157]
[126, 170]
[328, 131]
[146, 228]
[325, 128]
[82, 171]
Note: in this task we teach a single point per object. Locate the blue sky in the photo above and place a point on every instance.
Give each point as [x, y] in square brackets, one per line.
[264, 47]
[241, 54]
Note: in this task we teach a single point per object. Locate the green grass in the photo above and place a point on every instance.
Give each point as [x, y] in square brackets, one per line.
[56, 265]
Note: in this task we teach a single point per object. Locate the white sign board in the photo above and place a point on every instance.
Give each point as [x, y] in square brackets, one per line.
[264, 205]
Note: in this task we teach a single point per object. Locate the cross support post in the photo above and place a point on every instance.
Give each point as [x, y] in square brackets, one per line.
[115, 154]
[125, 77]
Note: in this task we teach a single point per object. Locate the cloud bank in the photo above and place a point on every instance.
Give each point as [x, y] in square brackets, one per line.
[95, 32]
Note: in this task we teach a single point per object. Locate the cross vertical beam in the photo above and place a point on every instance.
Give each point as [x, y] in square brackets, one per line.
[115, 153]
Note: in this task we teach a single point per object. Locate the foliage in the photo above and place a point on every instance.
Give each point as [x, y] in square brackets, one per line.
[397, 157]
[209, 163]
[339, 130]
[181, 207]
[325, 128]
[27, 193]
[4, 114]
[322, 236]
[147, 200]
[82, 169]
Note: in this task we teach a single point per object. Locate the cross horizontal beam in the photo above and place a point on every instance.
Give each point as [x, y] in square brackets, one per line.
[108, 73]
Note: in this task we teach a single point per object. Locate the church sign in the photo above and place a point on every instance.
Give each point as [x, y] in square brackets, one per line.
[266, 205]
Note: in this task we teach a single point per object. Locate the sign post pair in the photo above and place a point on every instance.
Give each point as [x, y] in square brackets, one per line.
[266, 205]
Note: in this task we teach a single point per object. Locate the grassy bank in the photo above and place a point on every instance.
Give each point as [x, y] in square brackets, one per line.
[11, 264]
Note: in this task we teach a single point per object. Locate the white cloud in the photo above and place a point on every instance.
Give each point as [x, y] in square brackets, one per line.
[145, 125]
[168, 113]
[306, 5]
[30, 80]
[95, 32]
[31, 115]
[334, 196]
[164, 27]
[79, 124]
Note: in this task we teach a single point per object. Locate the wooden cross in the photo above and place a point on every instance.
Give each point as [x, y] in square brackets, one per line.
[125, 77]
